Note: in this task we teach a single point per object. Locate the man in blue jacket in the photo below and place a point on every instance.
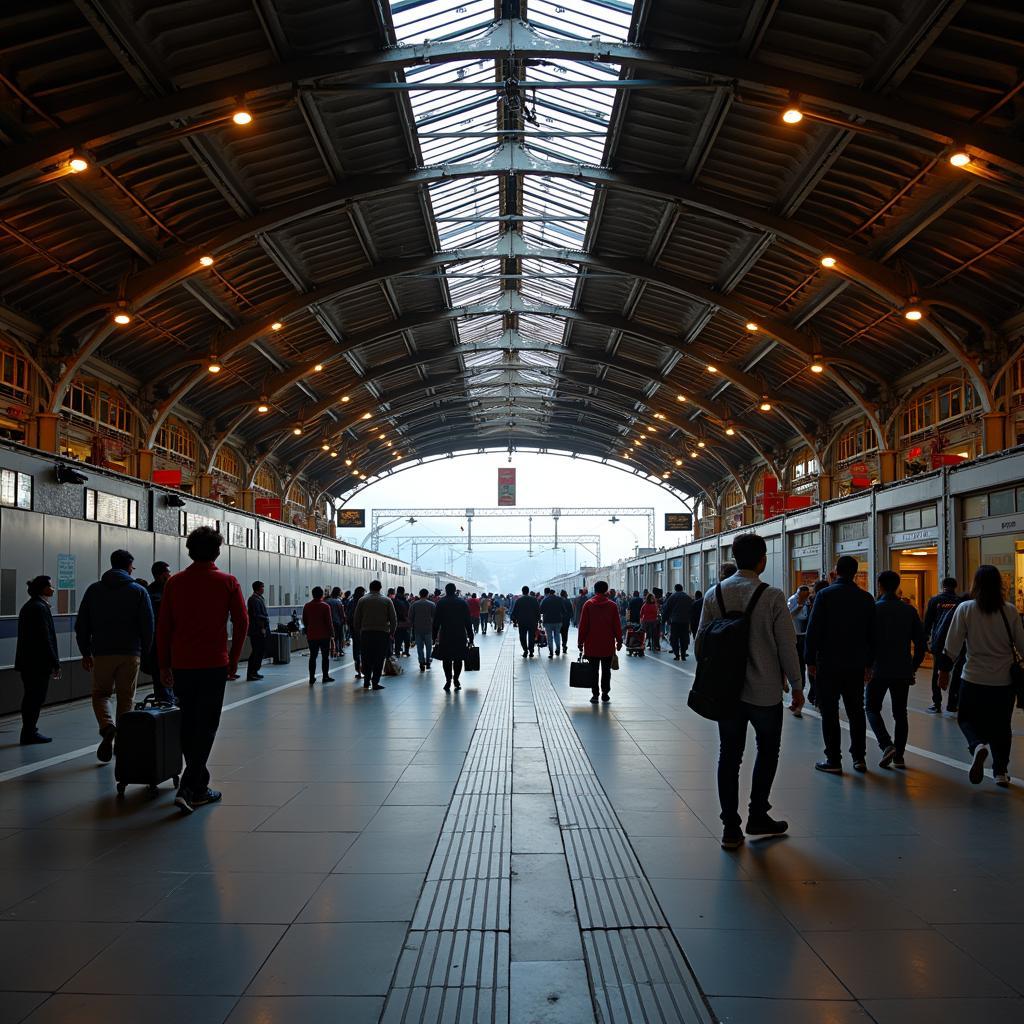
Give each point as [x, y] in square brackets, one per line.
[840, 650]
[897, 629]
[113, 628]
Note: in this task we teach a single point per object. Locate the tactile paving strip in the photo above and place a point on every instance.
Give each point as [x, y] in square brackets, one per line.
[638, 972]
[455, 963]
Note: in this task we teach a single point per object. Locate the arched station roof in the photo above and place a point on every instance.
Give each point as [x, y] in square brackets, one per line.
[589, 226]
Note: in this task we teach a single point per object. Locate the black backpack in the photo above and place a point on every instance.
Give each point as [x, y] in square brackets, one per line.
[723, 649]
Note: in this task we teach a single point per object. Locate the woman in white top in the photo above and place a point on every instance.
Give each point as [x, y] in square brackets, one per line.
[992, 629]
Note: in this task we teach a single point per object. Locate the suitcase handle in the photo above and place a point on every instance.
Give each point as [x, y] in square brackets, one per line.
[150, 701]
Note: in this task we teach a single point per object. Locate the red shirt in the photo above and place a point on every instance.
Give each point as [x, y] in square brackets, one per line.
[316, 617]
[474, 607]
[649, 612]
[193, 627]
[600, 628]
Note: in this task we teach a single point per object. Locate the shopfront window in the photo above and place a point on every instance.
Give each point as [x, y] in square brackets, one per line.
[693, 572]
[855, 530]
[710, 568]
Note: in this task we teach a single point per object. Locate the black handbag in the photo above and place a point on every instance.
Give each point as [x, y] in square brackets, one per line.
[583, 674]
[1016, 668]
[471, 659]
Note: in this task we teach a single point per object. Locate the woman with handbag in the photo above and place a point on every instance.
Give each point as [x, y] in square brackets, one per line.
[993, 676]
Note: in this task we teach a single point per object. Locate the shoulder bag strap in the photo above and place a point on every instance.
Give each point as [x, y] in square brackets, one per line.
[1009, 636]
[719, 598]
[754, 598]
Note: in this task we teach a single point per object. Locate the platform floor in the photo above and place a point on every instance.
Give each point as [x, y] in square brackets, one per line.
[509, 852]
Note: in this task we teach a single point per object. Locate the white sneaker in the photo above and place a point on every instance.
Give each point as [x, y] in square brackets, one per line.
[1002, 779]
[977, 772]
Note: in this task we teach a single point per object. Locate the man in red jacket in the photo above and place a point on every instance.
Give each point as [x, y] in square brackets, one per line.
[319, 623]
[600, 635]
[192, 651]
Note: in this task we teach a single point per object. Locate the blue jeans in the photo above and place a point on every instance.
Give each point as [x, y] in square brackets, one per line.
[732, 734]
[554, 635]
[424, 647]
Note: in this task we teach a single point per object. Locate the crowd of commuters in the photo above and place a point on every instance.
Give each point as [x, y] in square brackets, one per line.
[854, 649]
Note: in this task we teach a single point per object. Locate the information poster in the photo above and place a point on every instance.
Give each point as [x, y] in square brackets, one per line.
[506, 486]
[678, 521]
[352, 518]
[66, 572]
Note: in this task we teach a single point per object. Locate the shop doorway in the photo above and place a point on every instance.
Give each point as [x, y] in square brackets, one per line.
[919, 575]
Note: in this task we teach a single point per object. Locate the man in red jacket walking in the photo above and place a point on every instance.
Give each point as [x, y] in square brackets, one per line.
[600, 635]
[319, 623]
[192, 651]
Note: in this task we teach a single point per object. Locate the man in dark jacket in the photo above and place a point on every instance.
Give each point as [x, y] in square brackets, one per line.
[551, 612]
[636, 602]
[114, 626]
[695, 612]
[259, 631]
[898, 630]
[161, 573]
[676, 613]
[453, 633]
[937, 608]
[36, 657]
[526, 615]
[577, 605]
[840, 650]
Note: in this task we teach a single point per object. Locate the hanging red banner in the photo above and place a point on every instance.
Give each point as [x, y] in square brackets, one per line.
[506, 486]
[269, 507]
[167, 477]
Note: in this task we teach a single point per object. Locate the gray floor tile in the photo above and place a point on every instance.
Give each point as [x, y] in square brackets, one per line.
[904, 964]
[544, 923]
[179, 959]
[960, 899]
[550, 993]
[282, 851]
[332, 959]
[758, 965]
[306, 1010]
[716, 903]
[404, 818]
[419, 793]
[431, 773]
[535, 824]
[788, 1011]
[997, 946]
[80, 1008]
[839, 905]
[16, 1006]
[364, 898]
[238, 897]
[380, 853]
[945, 1011]
[296, 817]
[94, 895]
[55, 849]
[40, 957]
[671, 857]
[334, 793]
[681, 822]
[16, 886]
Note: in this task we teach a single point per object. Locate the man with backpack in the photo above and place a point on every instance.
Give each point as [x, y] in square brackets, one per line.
[938, 607]
[754, 634]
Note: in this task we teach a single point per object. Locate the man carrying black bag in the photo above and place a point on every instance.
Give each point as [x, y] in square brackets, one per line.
[771, 659]
[600, 636]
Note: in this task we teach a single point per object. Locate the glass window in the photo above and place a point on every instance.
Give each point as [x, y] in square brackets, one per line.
[855, 530]
[929, 516]
[1020, 499]
[1001, 503]
[101, 507]
[912, 519]
[975, 506]
[895, 522]
[13, 374]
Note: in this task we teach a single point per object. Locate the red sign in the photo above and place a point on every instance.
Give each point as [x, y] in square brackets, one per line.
[167, 477]
[506, 486]
[269, 507]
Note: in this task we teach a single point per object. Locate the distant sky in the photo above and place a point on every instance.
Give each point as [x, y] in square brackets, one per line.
[543, 481]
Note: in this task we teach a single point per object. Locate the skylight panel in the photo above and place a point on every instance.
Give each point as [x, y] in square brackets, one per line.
[558, 209]
[552, 283]
[475, 330]
[453, 124]
[475, 282]
[609, 19]
[418, 20]
[466, 211]
[536, 327]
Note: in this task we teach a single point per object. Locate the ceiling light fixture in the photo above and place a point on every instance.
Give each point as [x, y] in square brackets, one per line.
[318, 367]
[730, 430]
[345, 398]
[693, 455]
[828, 262]
[334, 455]
[751, 326]
[712, 368]
[77, 164]
[122, 316]
[792, 115]
[702, 444]
[241, 116]
[325, 447]
[679, 462]
[913, 313]
[206, 261]
[680, 398]
[297, 430]
[960, 158]
[366, 416]
[765, 405]
[214, 365]
[276, 325]
[817, 365]
[264, 405]
[665, 476]
[348, 462]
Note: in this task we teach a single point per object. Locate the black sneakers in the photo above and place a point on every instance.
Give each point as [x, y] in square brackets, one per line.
[36, 737]
[187, 802]
[977, 772]
[935, 709]
[105, 751]
[732, 837]
[593, 700]
[766, 825]
[888, 756]
[831, 767]
[898, 762]
[860, 765]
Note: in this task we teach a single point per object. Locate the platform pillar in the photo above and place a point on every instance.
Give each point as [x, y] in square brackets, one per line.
[887, 466]
[824, 487]
[144, 458]
[994, 432]
[203, 485]
[247, 496]
[47, 430]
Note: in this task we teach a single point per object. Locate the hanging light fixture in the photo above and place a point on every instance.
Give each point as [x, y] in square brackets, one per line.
[77, 164]
[913, 313]
[828, 262]
[297, 430]
[214, 364]
[121, 315]
[730, 430]
[751, 326]
[242, 115]
[264, 405]
[766, 405]
[817, 365]
[792, 114]
[960, 158]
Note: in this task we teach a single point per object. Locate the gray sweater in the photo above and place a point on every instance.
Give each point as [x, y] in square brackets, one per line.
[773, 656]
[988, 647]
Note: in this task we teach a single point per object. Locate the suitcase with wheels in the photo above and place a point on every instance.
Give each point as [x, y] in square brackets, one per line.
[281, 648]
[471, 662]
[147, 749]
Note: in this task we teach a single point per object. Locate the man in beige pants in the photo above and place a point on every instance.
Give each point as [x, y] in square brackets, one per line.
[114, 626]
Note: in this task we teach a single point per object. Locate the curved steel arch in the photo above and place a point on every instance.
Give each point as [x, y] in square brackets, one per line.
[513, 245]
[514, 158]
[510, 38]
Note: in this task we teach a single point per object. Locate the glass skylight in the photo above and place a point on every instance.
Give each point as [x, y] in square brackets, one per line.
[566, 125]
